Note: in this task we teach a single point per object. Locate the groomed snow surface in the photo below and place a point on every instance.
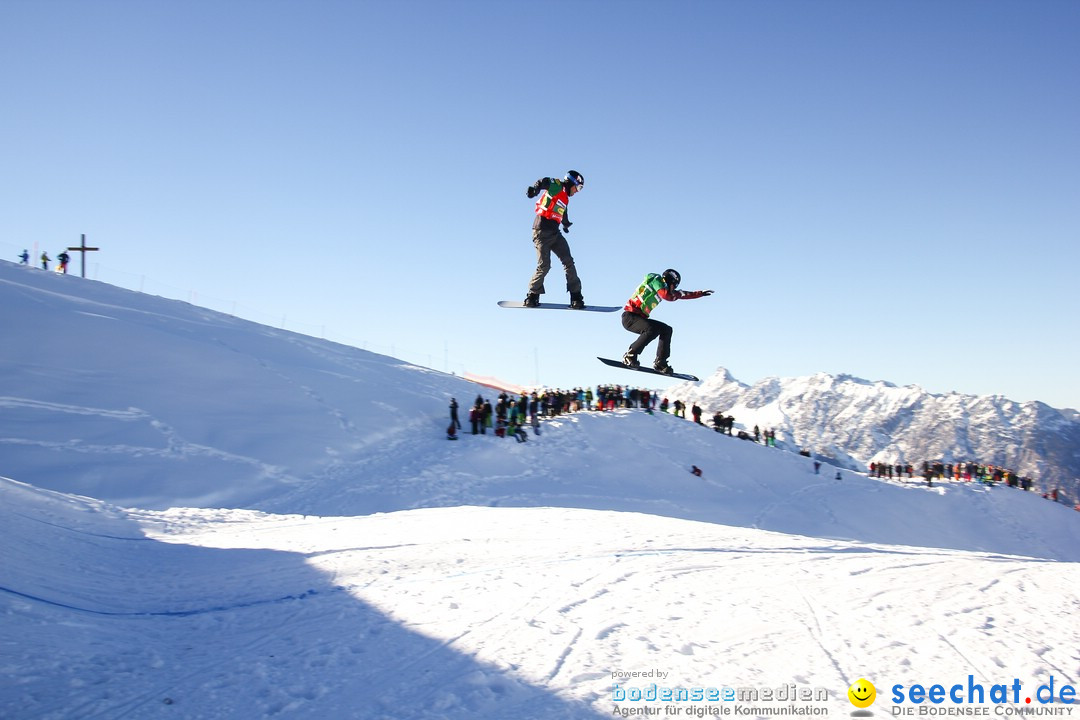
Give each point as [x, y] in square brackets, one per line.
[208, 518]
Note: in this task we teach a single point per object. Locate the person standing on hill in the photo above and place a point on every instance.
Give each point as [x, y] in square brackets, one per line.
[551, 213]
[454, 420]
[476, 416]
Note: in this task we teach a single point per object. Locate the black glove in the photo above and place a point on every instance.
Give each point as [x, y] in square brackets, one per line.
[566, 226]
[706, 293]
[531, 191]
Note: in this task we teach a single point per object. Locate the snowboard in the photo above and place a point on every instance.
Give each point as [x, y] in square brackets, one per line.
[644, 369]
[558, 306]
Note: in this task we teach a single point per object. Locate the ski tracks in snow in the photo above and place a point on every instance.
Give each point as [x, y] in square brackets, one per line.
[492, 612]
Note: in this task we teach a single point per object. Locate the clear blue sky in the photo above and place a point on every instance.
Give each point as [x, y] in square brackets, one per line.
[885, 189]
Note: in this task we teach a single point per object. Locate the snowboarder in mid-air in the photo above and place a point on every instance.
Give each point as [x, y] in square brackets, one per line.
[635, 317]
[550, 214]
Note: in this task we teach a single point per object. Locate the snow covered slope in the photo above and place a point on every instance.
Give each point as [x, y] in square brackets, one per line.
[153, 403]
[487, 613]
[339, 558]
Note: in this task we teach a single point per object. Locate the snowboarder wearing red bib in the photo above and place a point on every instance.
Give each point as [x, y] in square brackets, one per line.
[550, 214]
[635, 317]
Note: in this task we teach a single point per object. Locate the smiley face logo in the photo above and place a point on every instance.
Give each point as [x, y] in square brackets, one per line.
[862, 694]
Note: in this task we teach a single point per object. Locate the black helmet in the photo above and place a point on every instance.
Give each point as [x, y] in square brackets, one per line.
[672, 278]
[575, 178]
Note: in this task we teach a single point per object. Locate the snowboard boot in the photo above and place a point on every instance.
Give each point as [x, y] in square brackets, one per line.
[576, 301]
[662, 367]
[532, 300]
[630, 360]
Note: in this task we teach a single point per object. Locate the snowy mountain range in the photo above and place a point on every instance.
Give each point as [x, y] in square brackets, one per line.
[854, 422]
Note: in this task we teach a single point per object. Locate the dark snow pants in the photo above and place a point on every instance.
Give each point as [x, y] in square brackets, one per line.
[547, 241]
[648, 330]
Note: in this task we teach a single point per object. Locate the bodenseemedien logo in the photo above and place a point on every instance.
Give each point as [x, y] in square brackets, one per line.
[862, 695]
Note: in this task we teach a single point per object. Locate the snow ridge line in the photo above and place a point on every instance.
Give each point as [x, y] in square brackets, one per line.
[179, 613]
[31, 518]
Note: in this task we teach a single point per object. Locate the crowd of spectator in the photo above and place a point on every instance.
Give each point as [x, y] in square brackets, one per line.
[961, 472]
[964, 471]
[509, 416]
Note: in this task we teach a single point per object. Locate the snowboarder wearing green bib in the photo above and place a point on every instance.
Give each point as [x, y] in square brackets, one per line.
[635, 317]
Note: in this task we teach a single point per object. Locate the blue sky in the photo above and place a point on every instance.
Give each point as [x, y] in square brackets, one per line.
[885, 189]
